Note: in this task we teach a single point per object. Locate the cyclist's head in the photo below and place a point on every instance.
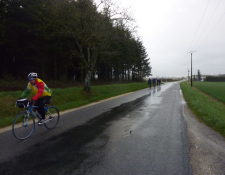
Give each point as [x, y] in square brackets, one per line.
[32, 76]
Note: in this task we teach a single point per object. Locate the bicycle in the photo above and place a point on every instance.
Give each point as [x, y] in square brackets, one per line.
[24, 124]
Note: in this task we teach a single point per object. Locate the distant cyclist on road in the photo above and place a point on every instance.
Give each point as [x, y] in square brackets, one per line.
[154, 81]
[160, 80]
[150, 82]
[40, 90]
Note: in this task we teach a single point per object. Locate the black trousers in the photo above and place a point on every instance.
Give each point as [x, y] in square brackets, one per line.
[40, 103]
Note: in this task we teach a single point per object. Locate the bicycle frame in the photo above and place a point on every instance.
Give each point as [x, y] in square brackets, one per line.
[30, 110]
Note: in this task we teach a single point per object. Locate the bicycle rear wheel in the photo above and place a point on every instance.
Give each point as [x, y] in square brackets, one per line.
[52, 117]
[23, 126]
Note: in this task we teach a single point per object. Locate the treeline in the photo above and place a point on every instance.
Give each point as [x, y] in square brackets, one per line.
[215, 79]
[65, 40]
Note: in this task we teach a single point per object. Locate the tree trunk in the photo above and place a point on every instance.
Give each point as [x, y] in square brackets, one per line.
[133, 73]
[128, 74]
[82, 74]
[87, 82]
[55, 69]
[122, 72]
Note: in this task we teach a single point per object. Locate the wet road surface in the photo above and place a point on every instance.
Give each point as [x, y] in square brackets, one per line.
[140, 133]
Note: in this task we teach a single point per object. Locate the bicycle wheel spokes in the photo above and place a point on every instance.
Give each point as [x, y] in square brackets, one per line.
[23, 126]
[52, 117]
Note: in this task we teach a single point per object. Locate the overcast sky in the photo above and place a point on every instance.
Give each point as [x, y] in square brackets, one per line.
[171, 28]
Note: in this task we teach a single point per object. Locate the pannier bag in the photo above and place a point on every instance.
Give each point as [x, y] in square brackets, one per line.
[22, 103]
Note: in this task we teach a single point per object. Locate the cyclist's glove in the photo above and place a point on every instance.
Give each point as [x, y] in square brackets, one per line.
[31, 102]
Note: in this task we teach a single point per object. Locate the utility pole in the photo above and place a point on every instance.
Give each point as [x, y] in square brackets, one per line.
[188, 75]
[191, 65]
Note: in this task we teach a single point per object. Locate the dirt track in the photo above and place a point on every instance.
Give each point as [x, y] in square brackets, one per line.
[207, 147]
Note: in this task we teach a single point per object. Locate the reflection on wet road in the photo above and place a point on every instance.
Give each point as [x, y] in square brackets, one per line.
[144, 136]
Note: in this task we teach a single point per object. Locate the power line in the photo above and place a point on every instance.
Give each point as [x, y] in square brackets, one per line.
[211, 31]
[207, 23]
[199, 25]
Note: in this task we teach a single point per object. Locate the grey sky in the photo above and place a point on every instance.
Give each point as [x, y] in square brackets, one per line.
[171, 28]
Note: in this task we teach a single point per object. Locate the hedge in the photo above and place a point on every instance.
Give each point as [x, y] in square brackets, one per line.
[215, 79]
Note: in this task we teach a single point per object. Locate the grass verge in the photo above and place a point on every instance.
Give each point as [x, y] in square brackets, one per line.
[65, 98]
[208, 109]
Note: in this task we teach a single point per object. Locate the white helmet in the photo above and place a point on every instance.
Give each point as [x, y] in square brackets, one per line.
[32, 76]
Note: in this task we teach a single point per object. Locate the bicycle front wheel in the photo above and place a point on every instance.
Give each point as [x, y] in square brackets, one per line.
[52, 117]
[23, 126]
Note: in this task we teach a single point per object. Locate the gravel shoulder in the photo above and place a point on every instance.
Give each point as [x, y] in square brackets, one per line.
[207, 147]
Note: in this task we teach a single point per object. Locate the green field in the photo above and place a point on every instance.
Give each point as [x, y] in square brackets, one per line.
[207, 108]
[214, 89]
[65, 98]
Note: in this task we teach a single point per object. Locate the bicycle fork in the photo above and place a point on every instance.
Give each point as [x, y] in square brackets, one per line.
[25, 120]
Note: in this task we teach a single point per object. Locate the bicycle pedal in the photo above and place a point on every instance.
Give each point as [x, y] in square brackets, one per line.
[40, 124]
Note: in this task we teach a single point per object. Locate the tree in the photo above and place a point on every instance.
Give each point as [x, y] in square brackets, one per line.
[199, 75]
[91, 30]
[65, 40]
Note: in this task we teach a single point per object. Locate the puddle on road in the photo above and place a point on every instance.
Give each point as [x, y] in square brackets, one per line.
[137, 114]
[183, 102]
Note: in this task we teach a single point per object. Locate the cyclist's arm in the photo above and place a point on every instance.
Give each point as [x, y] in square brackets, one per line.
[41, 87]
[26, 92]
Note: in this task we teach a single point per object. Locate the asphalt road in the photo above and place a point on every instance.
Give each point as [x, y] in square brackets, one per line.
[140, 133]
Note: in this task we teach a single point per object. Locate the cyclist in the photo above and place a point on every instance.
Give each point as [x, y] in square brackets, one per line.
[150, 82]
[41, 91]
[154, 81]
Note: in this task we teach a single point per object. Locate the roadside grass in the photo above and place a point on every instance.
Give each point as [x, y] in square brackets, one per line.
[208, 109]
[65, 99]
[214, 89]
[10, 83]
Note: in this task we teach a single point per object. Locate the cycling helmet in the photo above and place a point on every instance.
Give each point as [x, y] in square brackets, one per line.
[32, 76]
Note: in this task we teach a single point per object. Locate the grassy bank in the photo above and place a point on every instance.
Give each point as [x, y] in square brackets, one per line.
[65, 98]
[10, 83]
[208, 109]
